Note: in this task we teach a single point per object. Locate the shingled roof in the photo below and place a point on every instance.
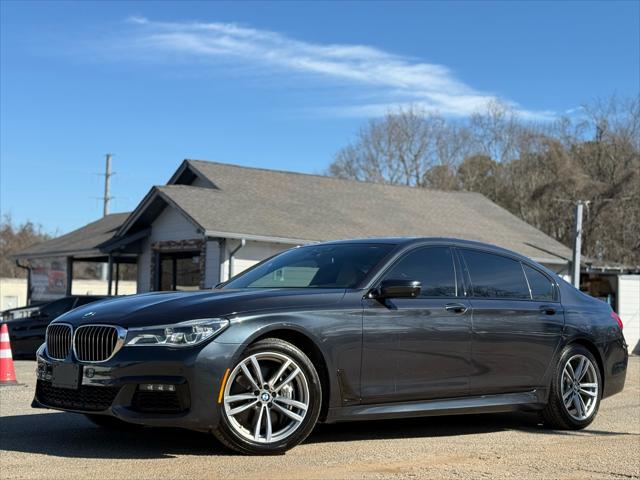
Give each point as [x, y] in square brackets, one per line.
[242, 202]
[80, 243]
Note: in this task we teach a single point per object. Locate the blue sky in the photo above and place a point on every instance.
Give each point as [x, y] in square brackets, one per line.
[275, 85]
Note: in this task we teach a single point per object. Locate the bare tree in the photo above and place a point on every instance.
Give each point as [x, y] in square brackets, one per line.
[536, 171]
[612, 160]
[14, 238]
[401, 148]
[482, 174]
[497, 132]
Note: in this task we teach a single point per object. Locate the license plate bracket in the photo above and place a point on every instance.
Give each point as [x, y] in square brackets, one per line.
[65, 375]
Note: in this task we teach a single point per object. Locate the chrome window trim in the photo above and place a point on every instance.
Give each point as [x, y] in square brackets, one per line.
[46, 338]
[122, 335]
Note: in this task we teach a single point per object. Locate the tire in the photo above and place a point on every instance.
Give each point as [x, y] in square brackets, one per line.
[567, 414]
[111, 423]
[285, 409]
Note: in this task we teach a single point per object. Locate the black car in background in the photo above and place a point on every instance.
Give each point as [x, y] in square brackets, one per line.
[351, 330]
[20, 312]
[27, 325]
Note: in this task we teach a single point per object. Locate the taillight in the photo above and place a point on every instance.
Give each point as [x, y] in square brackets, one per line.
[617, 318]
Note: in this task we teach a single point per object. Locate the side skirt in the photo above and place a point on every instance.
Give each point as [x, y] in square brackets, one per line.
[506, 402]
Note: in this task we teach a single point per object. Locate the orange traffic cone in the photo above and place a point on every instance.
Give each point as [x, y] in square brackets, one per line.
[7, 372]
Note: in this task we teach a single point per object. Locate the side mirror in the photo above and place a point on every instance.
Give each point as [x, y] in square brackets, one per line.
[397, 289]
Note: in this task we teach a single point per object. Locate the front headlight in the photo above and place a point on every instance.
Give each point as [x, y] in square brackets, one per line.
[181, 334]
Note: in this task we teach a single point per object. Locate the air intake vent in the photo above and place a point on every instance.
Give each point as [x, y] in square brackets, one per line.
[58, 340]
[96, 343]
[86, 397]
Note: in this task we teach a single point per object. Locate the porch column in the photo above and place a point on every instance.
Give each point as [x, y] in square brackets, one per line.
[109, 274]
[69, 275]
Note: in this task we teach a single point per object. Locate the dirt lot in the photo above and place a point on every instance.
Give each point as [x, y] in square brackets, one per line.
[48, 444]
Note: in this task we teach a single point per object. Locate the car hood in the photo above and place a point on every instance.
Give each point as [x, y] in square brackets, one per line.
[162, 308]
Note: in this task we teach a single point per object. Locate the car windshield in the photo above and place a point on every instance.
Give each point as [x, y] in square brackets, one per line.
[316, 266]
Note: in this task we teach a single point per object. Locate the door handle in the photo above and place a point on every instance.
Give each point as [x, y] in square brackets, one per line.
[548, 310]
[456, 308]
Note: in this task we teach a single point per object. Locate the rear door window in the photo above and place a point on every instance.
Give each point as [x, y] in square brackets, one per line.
[541, 287]
[495, 276]
[432, 267]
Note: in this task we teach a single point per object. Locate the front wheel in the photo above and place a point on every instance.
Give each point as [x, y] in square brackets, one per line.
[575, 392]
[271, 399]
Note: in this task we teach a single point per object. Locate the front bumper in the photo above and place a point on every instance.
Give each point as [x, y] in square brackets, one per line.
[615, 360]
[113, 387]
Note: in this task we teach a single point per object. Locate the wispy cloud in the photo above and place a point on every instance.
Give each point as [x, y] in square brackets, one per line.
[392, 79]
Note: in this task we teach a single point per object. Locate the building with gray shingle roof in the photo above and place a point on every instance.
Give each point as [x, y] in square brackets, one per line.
[81, 243]
[212, 220]
[293, 208]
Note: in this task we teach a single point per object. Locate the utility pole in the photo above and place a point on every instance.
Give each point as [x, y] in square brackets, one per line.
[577, 243]
[107, 268]
[107, 180]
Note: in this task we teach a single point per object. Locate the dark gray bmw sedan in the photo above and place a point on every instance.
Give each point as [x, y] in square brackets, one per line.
[340, 331]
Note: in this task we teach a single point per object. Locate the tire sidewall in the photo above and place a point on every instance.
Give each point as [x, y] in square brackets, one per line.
[569, 352]
[315, 400]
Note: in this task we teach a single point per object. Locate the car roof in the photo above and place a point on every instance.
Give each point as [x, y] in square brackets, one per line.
[407, 241]
[385, 240]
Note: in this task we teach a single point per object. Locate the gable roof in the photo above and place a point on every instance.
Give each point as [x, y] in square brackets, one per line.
[82, 242]
[256, 203]
[187, 172]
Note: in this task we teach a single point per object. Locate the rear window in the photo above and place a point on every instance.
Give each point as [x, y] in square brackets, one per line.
[495, 276]
[541, 287]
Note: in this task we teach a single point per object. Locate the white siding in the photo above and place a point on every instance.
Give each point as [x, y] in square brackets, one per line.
[13, 293]
[629, 309]
[249, 255]
[170, 225]
[212, 267]
[144, 268]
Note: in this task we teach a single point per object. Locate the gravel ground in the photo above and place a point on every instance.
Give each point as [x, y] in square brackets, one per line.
[48, 444]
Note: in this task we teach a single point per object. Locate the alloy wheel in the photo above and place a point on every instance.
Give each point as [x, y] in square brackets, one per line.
[266, 397]
[579, 387]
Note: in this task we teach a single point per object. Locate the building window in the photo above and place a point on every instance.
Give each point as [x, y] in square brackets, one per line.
[179, 271]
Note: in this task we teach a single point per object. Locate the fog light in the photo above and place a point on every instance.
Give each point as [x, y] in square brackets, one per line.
[157, 387]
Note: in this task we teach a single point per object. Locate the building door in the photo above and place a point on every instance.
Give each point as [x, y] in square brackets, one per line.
[179, 271]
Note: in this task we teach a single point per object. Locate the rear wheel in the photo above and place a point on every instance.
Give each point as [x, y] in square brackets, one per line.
[271, 400]
[575, 392]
